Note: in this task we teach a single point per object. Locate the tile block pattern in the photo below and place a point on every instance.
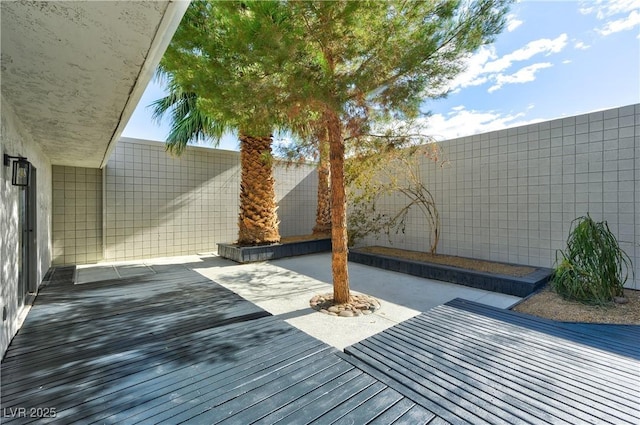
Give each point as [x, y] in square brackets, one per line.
[163, 205]
[511, 195]
[296, 194]
[77, 215]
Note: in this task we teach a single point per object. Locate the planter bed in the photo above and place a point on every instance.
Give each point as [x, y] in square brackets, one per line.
[505, 284]
[250, 254]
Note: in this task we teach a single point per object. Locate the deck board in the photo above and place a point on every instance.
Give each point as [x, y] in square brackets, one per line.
[174, 347]
[484, 364]
[620, 339]
[484, 361]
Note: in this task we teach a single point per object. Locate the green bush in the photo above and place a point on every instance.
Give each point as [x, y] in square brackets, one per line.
[591, 268]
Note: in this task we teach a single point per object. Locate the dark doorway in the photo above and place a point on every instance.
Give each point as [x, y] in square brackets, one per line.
[27, 256]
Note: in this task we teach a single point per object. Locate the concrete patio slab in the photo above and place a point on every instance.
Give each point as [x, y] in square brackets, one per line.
[284, 287]
[87, 274]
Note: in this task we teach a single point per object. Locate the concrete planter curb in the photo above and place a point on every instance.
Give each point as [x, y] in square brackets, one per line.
[510, 285]
[250, 254]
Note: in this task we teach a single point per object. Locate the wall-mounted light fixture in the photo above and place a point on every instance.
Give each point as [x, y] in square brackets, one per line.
[21, 169]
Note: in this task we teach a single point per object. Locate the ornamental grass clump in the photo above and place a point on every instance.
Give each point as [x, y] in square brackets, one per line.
[593, 268]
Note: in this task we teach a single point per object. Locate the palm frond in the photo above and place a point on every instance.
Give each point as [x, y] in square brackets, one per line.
[189, 122]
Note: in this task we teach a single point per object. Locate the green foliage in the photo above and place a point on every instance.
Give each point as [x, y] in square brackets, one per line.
[591, 268]
[271, 64]
[189, 122]
[231, 54]
[386, 167]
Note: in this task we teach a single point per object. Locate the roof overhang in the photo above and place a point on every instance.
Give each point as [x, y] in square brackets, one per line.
[74, 71]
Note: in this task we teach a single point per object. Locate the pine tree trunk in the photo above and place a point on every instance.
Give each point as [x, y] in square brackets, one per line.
[339, 248]
[258, 220]
[323, 209]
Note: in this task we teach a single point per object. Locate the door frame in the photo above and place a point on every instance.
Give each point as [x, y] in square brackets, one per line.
[28, 239]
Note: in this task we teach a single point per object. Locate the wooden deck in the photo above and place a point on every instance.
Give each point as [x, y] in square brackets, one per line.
[174, 347]
[469, 363]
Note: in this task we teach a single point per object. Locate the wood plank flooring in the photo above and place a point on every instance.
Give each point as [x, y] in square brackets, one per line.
[470, 363]
[174, 347]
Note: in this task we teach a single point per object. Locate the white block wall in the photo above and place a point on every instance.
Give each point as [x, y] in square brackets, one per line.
[296, 194]
[159, 205]
[77, 215]
[510, 195]
[15, 141]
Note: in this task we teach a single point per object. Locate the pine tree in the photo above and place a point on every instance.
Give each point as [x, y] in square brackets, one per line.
[261, 63]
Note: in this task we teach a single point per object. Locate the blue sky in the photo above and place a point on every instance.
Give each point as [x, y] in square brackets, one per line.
[554, 59]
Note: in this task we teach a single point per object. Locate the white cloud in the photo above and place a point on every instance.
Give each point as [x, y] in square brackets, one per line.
[523, 75]
[566, 61]
[622, 24]
[465, 122]
[484, 66]
[607, 8]
[542, 46]
[473, 74]
[513, 22]
[580, 45]
[618, 15]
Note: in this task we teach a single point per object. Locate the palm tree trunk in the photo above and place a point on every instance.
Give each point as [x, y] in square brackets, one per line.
[323, 209]
[339, 248]
[258, 220]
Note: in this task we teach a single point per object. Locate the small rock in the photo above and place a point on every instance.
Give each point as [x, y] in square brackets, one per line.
[334, 309]
[324, 311]
[620, 300]
[366, 312]
[331, 313]
[346, 313]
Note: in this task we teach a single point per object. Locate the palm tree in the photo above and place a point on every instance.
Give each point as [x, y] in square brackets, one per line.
[323, 208]
[312, 143]
[258, 219]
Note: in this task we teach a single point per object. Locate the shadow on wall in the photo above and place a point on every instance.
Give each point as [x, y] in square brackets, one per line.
[296, 191]
[9, 277]
[158, 205]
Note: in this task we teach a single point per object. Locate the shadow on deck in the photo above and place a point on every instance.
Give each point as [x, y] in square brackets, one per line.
[175, 347]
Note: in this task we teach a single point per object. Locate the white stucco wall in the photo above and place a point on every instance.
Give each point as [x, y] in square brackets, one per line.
[15, 140]
[511, 195]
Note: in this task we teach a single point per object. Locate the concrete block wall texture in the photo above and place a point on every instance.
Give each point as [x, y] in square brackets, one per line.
[162, 205]
[15, 140]
[77, 215]
[511, 195]
[296, 194]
